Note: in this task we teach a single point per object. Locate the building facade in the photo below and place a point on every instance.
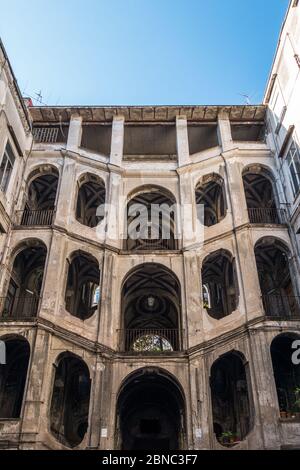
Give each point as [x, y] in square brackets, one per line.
[166, 343]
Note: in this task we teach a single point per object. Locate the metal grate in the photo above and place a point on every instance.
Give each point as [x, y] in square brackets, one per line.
[266, 215]
[45, 134]
[35, 217]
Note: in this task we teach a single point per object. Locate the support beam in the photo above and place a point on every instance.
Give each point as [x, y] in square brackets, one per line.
[182, 141]
[117, 141]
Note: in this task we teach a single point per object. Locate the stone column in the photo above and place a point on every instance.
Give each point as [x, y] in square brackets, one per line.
[54, 277]
[117, 141]
[110, 313]
[66, 193]
[35, 397]
[74, 135]
[263, 384]
[182, 141]
[224, 132]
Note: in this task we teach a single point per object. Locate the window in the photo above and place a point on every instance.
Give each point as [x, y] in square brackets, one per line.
[6, 166]
[293, 161]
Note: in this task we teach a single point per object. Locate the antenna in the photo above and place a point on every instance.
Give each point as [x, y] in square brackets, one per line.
[39, 97]
[247, 97]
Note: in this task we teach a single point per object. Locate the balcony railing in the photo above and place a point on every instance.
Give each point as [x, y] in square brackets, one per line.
[150, 244]
[266, 215]
[281, 306]
[35, 217]
[151, 340]
[19, 308]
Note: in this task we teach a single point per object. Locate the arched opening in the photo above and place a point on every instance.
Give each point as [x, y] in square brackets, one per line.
[219, 284]
[91, 195]
[70, 400]
[13, 377]
[275, 278]
[261, 196]
[151, 310]
[151, 412]
[24, 288]
[82, 290]
[151, 220]
[230, 393]
[286, 375]
[41, 197]
[211, 193]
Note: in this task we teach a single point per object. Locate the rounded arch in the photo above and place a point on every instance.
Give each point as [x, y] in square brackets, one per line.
[151, 411]
[87, 177]
[158, 265]
[23, 288]
[41, 170]
[259, 168]
[276, 273]
[284, 351]
[13, 375]
[151, 188]
[151, 214]
[69, 407]
[231, 396]
[24, 244]
[275, 241]
[91, 193]
[151, 309]
[75, 253]
[261, 195]
[220, 290]
[210, 192]
[82, 292]
[40, 196]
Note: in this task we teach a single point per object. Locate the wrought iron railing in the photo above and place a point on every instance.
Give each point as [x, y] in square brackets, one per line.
[35, 217]
[19, 308]
[150, 244]
[281, 306]
[266, 215]
[45, 134]
[150, 340]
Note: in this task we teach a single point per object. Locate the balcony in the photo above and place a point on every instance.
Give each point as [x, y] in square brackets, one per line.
[150, 244]
[19, 308]
[266, 215]
[29, 218]
[150, 340]
[281, 306]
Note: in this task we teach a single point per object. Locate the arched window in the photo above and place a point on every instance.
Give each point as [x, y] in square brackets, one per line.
[220, 286]
[275, 278]
[211, 193]
[24, 289]
[286, 375]
[151, 220]
[70, 400]
[41, 197]
[261, 196]
[91, 195]
[13, 377]
[82, 290]
[151, 310]
[230, 394]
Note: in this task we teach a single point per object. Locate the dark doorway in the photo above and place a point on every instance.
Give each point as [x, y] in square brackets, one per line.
[13, 377]
[286, 374]
[151, 412]
[70, 400]
[231, 405]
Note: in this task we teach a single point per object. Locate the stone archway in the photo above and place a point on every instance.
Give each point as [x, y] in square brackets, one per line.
[151, 412]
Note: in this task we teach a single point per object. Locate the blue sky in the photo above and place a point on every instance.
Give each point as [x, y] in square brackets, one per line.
[110, 52]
